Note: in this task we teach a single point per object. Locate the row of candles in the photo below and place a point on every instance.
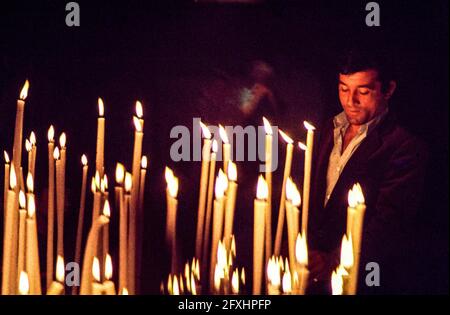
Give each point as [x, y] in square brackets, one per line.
[20, 266]
[222, 212]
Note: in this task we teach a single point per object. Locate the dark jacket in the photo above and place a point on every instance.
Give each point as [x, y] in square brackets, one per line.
[390, 165]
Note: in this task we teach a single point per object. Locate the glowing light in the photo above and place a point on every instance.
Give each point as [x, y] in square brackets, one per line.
[221, 184]
[24, 91]
[60, 270]
[24, 284]
[308, 126]
[302, 146]
[232, 171]
[235, 282]
[352, 199]
[101, 107]
[27, 145]
[5, 154]
[223, 134]
[32, 138]
[106, 209]
[139, 111]
[285, 137]
[358, 193]
[124, 291]
[267, 126]
[336, 283]
[31, 207]
[176, 288]
[96, 269]
[215, 146]
[172, 182]
[30, 184]
[137, 124]
[22, 200]
[62, 140]
[120, 173]
[12, 177]
[347, 252]
[56, 153]
[144, 162]
[287, 282]
[301, 250]
[262, 190]
[108, 267]
[205, 131]
[128, 182]
[51, 133]
[84, 160]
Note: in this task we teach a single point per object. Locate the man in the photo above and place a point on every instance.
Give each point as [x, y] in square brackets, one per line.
[365, 144]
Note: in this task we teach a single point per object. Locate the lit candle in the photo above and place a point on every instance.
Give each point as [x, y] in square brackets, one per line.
[60, 192]
[91, 246]
[123, 232]
[351, 210]
[24, 285]
[292, 202]
[57, 287]
[307, 175]
[97, 287]
[18, 130]
[22, 217]
[230, 204]
[137, 152]
[268, 155]
[337, 282]
[235, 282]
[120, 176]
[287, 280]
[281, 210]
[206, 151]
[100, 148]
[32, 248]
[301, 259]
[260, 206]
[108, 285]
[51, 205]
[140, 220]
[105, 233]
[84, 162]
[220, 188]
[95, 187]
[273, 276]
[226, 148]
[8, 230]
[6, 182]
[29, 153]
[357, 230]
[207, 231]
[172, 188]
[33, 154]
[346, 260]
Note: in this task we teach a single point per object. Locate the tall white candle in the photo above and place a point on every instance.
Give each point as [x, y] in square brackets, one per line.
[307, 175]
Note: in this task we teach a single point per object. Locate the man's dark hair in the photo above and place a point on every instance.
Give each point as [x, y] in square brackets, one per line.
[361, 59]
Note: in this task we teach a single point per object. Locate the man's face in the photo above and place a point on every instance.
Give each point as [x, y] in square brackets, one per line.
[361, 96]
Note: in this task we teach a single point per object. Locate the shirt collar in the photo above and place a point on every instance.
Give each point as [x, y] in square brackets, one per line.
[340, 121]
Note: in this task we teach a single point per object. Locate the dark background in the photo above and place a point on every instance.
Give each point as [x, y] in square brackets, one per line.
[192, 59]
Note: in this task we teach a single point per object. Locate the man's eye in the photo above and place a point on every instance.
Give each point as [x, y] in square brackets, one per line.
[364, 91]
[344, 89]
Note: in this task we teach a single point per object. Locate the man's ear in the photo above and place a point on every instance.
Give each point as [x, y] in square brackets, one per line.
[390, 90]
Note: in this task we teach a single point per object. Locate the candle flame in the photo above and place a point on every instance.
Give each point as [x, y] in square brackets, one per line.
[172, 182]
[84, 160]
[120, 173]
[124, 291]
[302, 146]
[287, 282]
[169, 284]
[197, 269]
[262, 190]
[97, 180]
[336, 283]
[30, 183]
[12, 177]
[51, 133]
[218, 275]
[352, 199]
[108, 267]
[96, 269]
[235, 282]
[193, 286]
[5, 154]
[93, 188]
[232, 171]
[139, 111]
[187, 271]
[137, 124]
[221, 184]
[233, 245]
[60, 269]
[101, 107]
[358, 193]
[175, 289]
[223, 134]
[301, 250]
[32, 138]
[24, 91]
[181, 283]
[221, 255]
[296, 200]
[106, 209]
[289, 189]
[267, 126]
[24, 284]
[128, 182]
[205, 131]
[22, 200]
[62, 140]
[105, 182]
[347, 252]
[273, 272]
[285, 137]
[27, 145]
[56, 153]
[215, 146]
[144, 162]
[31, 206]
[308, 126]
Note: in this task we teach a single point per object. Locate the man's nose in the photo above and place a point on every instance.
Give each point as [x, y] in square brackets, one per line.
[352, 99]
